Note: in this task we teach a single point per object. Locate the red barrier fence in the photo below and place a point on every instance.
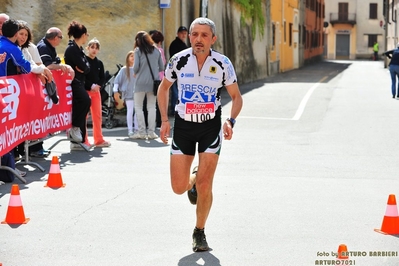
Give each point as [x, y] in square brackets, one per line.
[27, 113]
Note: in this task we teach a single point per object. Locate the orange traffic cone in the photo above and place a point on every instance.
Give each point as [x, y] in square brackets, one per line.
[54, 179]
[390, 223]
[342, 252]
[15, 212]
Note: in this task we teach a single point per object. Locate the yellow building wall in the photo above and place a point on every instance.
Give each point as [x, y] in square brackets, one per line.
[276, 20]
[287, 50]
[283, 12]
[332, 32]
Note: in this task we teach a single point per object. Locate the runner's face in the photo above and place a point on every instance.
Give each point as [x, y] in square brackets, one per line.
[201, 38]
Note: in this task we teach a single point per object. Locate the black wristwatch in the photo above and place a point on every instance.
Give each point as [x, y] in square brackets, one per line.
[232, 121]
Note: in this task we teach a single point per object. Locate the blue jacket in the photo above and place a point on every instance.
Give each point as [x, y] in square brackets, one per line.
[393, 55]
[15, 62]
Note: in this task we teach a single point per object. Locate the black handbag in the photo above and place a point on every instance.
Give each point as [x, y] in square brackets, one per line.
[156, 81]
[51, 89]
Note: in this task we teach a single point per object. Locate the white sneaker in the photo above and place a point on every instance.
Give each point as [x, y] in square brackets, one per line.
[137, 135]
[75, 134]
[76, 147]
[130, 134]
[152, 135]
[80, 147]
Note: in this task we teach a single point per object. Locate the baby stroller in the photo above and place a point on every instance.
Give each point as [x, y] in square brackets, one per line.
[108, 102]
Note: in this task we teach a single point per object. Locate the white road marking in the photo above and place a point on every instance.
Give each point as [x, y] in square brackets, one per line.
[299, 111]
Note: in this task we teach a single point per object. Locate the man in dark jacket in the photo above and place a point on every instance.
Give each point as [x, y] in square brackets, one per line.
[177, 45]
[46, 47]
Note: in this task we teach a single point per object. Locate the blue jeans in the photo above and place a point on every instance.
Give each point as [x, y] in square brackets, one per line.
[174, 98]
[394, 70]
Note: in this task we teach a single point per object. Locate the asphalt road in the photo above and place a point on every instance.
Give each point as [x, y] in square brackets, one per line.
[312, 162]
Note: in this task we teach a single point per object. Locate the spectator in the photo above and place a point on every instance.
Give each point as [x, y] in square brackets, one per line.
[14, 64]
[48, 54]
[177, 45]
[7, 176]
[3, 17]
[32, 55]
[124, 82]
[144, 48]
[8, 157]
[375, 49]
[394, 70]
[75, 57]
[158, 38]
[94, 81]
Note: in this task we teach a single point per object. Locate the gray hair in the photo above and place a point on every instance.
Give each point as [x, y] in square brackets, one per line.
[204, 21]
[4, 16]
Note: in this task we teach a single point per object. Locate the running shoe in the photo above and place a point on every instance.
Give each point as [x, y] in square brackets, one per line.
[199, 240]
[192, 193]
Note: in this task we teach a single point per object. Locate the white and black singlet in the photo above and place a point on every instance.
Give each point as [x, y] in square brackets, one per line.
[199, 104]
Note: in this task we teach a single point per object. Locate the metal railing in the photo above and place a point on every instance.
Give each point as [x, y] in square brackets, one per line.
[344, 18]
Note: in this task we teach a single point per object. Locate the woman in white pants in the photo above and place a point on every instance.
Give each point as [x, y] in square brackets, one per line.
[146, 56]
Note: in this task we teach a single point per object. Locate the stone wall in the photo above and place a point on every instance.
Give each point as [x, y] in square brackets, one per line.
[248, 54]
[115, 23]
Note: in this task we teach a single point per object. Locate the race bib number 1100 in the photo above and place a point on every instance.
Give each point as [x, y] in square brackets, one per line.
[199, 112]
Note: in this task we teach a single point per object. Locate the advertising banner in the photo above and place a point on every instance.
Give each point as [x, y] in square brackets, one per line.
[27, 113]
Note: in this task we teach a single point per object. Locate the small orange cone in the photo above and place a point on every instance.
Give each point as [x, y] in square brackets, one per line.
[54, 179]
[15, 212]
[390, 223]
[342, 252]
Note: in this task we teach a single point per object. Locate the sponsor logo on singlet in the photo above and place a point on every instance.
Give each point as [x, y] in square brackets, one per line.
[187, 75]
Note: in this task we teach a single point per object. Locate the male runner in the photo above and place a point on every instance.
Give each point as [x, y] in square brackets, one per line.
[201, 73]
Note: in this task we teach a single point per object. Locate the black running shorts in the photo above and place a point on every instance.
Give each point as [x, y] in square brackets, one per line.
[186, 135]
